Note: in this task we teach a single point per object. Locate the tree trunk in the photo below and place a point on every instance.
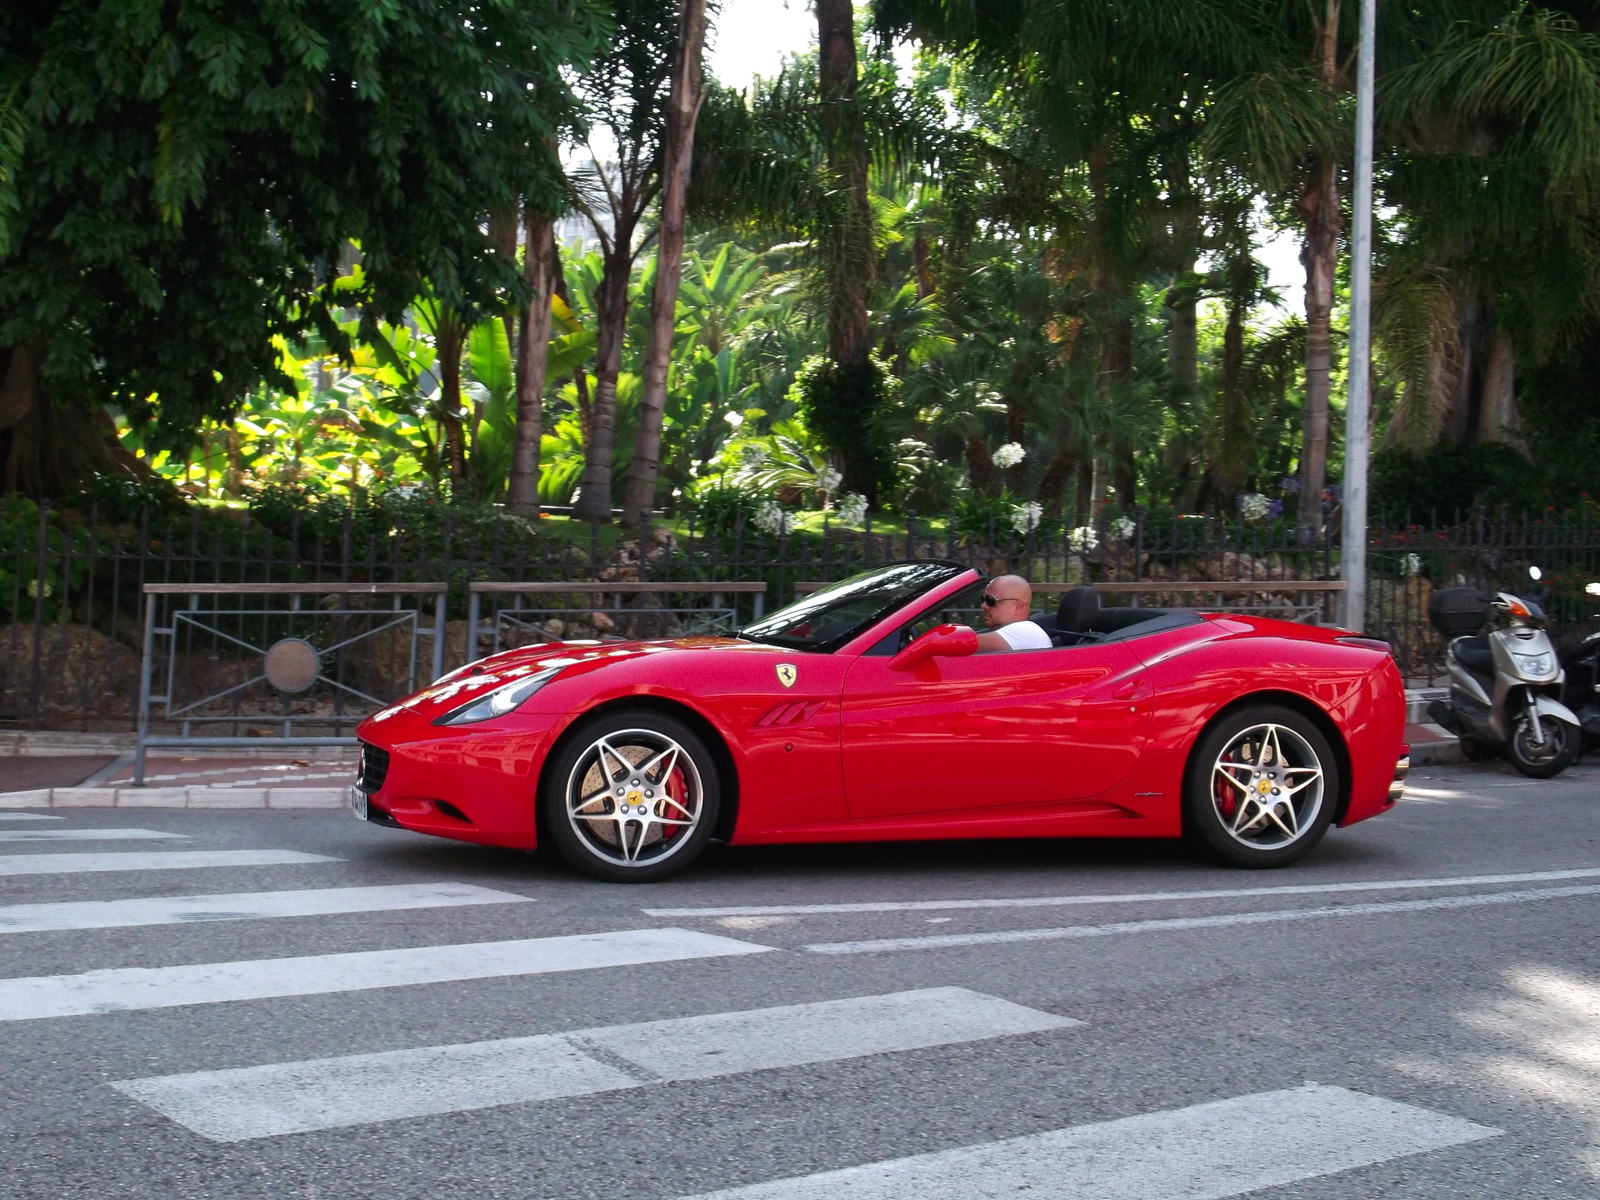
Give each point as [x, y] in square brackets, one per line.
[980, 467]
[677, 157]
[611, 317]
[851, 260]
[1183, 342]
[1052, 488]
[19, 383]
[1498, 418]
[1319, 209]
[449, 338]
[533, 351]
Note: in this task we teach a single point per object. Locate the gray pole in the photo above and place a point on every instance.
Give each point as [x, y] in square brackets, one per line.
[1353, 558]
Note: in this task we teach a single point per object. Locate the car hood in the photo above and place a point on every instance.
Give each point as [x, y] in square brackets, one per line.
[568, 659]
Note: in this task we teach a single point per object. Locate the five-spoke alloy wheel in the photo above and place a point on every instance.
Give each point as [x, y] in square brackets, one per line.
[632, 796]
[1261, 787]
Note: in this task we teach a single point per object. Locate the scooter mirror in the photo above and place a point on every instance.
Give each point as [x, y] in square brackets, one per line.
[1535, 574]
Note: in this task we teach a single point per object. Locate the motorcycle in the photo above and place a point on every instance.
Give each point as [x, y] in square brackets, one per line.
[1506, 683]
[1581, 666]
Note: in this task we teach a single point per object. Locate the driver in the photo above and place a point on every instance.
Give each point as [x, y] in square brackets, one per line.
[1005, 612]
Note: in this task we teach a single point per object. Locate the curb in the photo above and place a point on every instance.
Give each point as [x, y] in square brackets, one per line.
[176, 797]
[1438, 747]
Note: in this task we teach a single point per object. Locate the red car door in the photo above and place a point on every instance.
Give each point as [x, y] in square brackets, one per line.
[997, 729]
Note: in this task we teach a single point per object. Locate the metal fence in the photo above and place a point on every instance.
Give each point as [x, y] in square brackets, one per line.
[71, 584]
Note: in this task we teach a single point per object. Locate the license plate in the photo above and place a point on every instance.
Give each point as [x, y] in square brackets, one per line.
[358, 803]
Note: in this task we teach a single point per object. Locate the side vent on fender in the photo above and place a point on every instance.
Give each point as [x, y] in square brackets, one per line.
[791, 712]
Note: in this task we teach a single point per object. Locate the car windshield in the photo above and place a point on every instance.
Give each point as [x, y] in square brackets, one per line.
[829, 618]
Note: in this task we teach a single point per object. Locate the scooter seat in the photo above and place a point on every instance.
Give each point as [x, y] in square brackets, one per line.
[1474, 654]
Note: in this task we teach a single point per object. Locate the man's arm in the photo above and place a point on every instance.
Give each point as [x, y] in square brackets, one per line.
[992, 641]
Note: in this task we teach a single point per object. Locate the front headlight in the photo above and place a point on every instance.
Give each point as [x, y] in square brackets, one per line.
[498, 702]
[1537, 666]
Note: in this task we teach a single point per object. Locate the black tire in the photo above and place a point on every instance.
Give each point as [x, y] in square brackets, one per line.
[1562, 741]
[1471, 749]
[643, 827]
[1243, 823]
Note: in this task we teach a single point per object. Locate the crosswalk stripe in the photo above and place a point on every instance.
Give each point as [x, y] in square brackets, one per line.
[29, 817]
[130, 988]
[85, 835]
[251, 1102]
[1301, 889]
[1217, 921]
[180, 910]
[1206, 1152]
[152, 860]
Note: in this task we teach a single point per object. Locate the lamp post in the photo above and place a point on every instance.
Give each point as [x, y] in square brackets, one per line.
[1358, 374]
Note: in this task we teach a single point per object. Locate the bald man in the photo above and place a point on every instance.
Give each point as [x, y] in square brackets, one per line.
[1005, 612]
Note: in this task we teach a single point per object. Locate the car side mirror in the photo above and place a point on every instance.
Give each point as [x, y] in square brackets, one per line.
[942, 641]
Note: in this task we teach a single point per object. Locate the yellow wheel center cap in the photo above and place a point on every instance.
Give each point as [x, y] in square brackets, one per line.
[1264, 787]
[634, 797]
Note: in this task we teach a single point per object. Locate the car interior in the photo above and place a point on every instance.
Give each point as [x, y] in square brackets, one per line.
[1079, 620]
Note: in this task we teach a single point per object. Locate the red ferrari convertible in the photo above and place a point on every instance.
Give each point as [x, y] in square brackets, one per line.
[863, 713]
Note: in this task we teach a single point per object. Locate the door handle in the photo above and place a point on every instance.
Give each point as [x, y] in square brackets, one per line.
[1126, 691]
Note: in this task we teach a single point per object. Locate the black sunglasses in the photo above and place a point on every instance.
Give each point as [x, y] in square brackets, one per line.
[990, 601]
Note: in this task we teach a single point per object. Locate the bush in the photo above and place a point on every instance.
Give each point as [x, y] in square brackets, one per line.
[843, 408]
[1448, 480]
[720, 505]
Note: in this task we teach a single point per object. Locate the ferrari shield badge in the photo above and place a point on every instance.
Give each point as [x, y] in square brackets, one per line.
[787, 674]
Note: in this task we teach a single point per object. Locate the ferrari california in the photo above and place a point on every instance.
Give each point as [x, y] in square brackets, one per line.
[864, 712]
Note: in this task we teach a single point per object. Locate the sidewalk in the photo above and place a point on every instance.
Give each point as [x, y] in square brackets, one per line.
[96, 771]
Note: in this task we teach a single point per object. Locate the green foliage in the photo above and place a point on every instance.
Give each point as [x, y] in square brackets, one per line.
[722, 505]
[176, 180]
[1450, 481]
[844, 407]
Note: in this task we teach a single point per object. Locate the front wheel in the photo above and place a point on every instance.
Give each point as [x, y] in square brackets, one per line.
[1546, 759]
[631, 797]
[1261, 787]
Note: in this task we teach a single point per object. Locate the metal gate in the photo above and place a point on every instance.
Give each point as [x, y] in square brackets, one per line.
[232, 664]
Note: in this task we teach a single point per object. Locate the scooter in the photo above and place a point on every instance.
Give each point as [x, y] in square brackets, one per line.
[1505, 686]
[1581, 666]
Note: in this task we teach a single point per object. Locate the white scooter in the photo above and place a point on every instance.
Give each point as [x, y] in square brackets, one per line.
[1505, 686]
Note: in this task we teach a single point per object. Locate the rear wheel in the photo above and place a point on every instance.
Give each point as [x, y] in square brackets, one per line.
[1542, 760]
[1261, 787]
[631, 797]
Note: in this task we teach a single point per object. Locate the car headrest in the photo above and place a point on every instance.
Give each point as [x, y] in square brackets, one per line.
[1079, 606]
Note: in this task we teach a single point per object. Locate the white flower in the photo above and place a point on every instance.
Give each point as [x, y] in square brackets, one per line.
[1411, 564]
[1083, 539]
[33, 590]
[828, 479]
[1025, 517]
[1009, 455]
[1122, 529]
[852, 508]
[1253, 506]
[770, 518]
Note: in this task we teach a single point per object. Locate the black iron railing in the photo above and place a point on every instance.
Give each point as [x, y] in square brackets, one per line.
[71, 584]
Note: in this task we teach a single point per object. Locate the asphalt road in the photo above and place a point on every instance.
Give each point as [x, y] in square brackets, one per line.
[1413, 1012]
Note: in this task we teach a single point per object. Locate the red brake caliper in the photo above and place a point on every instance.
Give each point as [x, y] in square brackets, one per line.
[1224, 794]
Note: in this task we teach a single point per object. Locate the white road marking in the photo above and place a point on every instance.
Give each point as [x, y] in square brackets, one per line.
[151, 860]
[86, 835]
[1300, 889]
[180, 910]
[1206, 1152]
[29, 817]
[1220, 920]
[130, 988]
[252, 1102]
